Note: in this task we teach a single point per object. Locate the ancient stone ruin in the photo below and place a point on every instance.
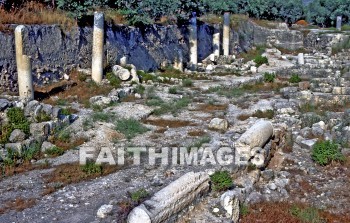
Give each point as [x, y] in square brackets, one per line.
[195, 123]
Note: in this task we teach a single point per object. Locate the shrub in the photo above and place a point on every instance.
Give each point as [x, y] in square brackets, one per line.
[64, 135]
[187, 83]
[173, 90]
[146, 76]
[269, 77]
[130, 127]
[200, 142]
[32, 152]
[221, 180]
[294, 78]
[325, 152]
[82, 77]
[306, 214]
[139, 89]
[91, 168]
[139, 195]
[244, 209]
[113, 80]
[43, 117]
[17, 120]
[260, 60]
[54, 151]
[173, 107]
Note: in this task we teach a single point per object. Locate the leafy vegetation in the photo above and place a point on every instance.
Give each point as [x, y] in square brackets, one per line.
[67, 12]
[325, 152]
[16, 120]
[259, 114]
[113, 80]
[173, 90]
[130, 127]
[91, 168]
[198, 143]
[221, 180]
[260, 60]
[295, 78]
[139, 195]
[269, 77]
[54, 151]
[170, 107]
[187, 82]
[309, 214]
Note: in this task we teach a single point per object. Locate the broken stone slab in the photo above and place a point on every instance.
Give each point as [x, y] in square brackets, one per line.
[175, 197]
[130, 110]
[218, 123]
[308, 143]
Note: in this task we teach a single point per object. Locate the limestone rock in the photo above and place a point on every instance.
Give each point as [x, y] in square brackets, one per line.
[17, 136]
[131, 110]
[14, 147]
[4, 103]
[46, 145]
[39, 129]
[218, 123]
[102, 100]
[104, 210]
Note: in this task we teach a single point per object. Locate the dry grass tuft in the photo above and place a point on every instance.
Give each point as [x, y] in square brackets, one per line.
[212, 107]
[35, 13]
[73, 173]
[18, 204]
[81, 92]
[196, 133]
[283, 212]
[169, 123]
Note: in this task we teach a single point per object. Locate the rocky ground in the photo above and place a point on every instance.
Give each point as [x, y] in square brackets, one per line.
[213, 109]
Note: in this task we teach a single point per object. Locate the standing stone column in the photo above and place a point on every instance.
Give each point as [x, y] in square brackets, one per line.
[193, 42]
[339, 20]
[216, 44]
[178, 64]
[226, 34]
[24, 68]
[301, 59]
[97, 47]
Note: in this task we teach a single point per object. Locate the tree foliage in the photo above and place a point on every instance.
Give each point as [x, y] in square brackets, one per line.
[325, 12]
[320, 12]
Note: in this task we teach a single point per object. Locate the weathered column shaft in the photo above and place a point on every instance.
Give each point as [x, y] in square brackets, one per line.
[193, 43]
[339, 21]
[226, 34]
[24, 68]
[216, 44]
[25, 79]
[97, 47]
[178, 64]
[249, 145]
[171, 200]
